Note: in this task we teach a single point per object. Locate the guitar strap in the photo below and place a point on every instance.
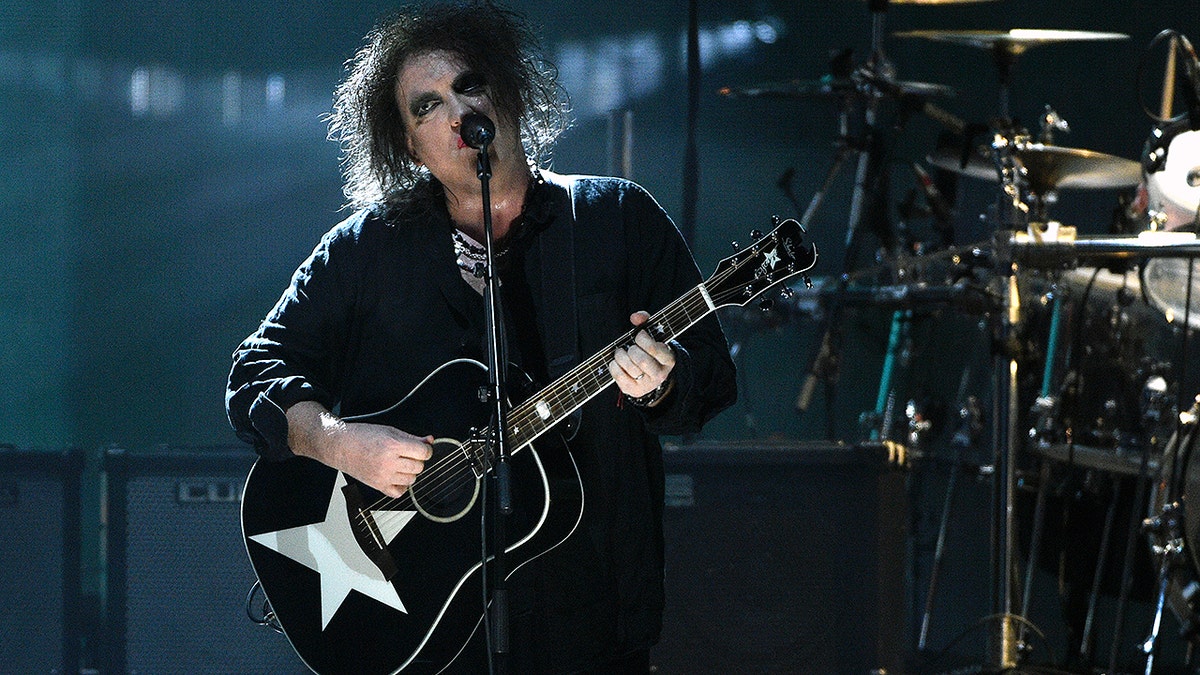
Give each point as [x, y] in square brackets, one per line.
[558, 318]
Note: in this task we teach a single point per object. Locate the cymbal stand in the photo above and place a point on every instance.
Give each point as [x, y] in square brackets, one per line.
[1013, 211]
[1003, 647]
[824, 359]
[1004, 140]
[823, 362]
[1004, 55]
[870, 177]
[1004, 643]
[1165, 529]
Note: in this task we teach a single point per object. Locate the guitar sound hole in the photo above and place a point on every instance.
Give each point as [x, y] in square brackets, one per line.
[445, 495]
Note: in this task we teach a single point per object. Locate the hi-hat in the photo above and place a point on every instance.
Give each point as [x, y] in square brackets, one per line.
[830, 87]
[1014, 41]
[1047, 167]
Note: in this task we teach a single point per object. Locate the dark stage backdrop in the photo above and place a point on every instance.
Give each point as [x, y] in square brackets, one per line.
[165, 168]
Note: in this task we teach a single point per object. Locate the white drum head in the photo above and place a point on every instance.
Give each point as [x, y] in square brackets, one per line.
[1166, 284]
[1175, 189]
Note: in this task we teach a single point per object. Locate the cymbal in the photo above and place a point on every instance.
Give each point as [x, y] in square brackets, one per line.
[1014, 41]
[1047, 167]
[829, 87]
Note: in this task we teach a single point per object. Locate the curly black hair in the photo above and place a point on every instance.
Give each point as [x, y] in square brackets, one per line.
[495, 42]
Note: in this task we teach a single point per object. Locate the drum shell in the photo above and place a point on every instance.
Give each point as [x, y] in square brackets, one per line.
[1176, 493]
[1096, 399]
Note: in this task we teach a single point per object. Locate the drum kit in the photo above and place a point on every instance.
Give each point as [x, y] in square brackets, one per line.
[1104, 318]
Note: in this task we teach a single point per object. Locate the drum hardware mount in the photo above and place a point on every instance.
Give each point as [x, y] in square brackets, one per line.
[1168, 525]
[1031, 170]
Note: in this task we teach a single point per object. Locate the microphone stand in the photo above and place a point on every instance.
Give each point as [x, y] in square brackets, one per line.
[499, 501]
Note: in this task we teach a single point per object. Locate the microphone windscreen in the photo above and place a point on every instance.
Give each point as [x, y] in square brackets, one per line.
[477, 130]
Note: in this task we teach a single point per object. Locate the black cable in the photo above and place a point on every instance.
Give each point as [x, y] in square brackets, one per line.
[267, 616]
[1140, 74]
[941, 653]
[1074, 350]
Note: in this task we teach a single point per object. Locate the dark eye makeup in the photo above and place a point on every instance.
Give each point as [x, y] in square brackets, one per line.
[470, 82]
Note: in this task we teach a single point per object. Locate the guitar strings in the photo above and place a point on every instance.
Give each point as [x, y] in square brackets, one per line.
[454, 467]
[450, 470]
[457, 464]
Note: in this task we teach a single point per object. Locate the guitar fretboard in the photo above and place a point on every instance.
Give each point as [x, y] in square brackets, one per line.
[551, 405]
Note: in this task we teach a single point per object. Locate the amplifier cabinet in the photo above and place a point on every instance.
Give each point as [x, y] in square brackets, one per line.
[783, 559]
[40, 560]
[178, 573]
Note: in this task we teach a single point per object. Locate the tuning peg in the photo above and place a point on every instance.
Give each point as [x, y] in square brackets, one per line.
[735, 245]
[766, 304]
[776, 220]
[756, 234]
[786, 293]
[807, 281]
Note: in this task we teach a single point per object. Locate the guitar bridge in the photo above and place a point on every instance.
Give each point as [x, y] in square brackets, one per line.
[367, 533]
[478, 453]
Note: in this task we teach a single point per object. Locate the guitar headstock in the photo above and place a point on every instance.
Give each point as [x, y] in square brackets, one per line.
[772, 258]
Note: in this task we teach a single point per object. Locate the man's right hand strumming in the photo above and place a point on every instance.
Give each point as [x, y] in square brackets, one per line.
[380, 456]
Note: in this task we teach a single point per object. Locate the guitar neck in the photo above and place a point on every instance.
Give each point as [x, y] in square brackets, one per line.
[738, 279]
[555, 402]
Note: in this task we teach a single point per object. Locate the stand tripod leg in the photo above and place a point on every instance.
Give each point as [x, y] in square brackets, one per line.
[1035, 540]
[1085, 645]
[940, 550]
[1160, 600]
[1133, 539]
[824, 358]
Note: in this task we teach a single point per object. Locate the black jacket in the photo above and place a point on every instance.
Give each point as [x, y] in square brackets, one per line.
[381, 303]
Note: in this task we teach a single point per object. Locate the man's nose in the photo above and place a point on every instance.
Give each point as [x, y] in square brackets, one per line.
[459, 108]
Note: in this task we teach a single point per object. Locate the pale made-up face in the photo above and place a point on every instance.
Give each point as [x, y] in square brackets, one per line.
[433, 91]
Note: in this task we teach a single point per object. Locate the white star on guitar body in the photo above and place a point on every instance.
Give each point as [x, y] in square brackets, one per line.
[329, 549]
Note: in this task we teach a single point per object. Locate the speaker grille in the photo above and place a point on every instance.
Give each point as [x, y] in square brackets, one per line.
[178, 567]
[39, 534]
[776, 561]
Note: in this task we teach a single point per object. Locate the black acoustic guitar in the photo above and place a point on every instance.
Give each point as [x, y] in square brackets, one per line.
[362, 583]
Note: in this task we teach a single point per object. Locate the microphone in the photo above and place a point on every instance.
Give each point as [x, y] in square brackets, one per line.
[477, 130]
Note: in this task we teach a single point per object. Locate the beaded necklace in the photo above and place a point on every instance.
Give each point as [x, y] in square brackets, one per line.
[472, 258]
